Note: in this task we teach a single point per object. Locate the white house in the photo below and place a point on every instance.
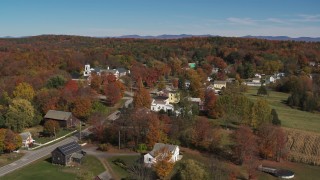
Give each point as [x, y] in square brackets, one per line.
[161, 103]
[161, 150]
[26, 139]
[219, 84]
[116, 72]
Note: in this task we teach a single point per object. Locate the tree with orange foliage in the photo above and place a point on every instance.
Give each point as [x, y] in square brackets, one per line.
[141, 97]
[156, 130]
[210, 103]
[82, 107]
[51, 127]
[12, 141]
[163, 165]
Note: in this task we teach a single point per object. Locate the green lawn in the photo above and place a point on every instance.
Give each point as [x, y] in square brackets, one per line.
[120, 172]
[43, 169]
[290, 117]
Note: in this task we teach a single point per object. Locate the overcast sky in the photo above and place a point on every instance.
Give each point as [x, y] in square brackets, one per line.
[155, 17]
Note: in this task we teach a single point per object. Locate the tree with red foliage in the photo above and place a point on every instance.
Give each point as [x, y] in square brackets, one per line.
[95, 82]
[71, 86]
[210, 103]
[48, 99]
[113, 93]
[113, 89]
[202, 133]
[272, 142]
[245, 144]
[175, 82]
[97, 128]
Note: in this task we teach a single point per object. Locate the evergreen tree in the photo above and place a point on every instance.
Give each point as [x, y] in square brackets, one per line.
[262, 91]
[275, 118]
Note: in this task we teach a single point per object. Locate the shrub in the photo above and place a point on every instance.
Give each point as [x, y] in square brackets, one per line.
[103, 147]
[119, 162]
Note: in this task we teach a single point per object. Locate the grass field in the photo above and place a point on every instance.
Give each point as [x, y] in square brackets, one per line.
[290, 117]
[9, 158]
[43, 169]
[118, 171]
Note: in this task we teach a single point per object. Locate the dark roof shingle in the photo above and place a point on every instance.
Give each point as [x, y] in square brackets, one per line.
[69, 148]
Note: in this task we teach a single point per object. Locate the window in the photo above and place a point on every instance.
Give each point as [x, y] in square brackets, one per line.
[149, 159]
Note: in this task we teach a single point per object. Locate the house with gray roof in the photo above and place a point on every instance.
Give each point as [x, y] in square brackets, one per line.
[27, 139]
[160, 151]
[65, 119]
[67, 154]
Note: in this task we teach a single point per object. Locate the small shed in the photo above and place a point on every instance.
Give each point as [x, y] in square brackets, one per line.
[65, 119]
[67, 154]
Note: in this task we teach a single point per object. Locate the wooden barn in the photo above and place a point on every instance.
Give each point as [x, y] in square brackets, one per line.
[65, 119]
[68, 154]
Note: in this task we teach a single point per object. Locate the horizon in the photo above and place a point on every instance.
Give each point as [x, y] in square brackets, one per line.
[290, 18]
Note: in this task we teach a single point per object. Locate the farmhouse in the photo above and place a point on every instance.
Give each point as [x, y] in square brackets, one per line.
[161, 103]
[67, 154]
[161, 150]
[26, 139]
[65, 119]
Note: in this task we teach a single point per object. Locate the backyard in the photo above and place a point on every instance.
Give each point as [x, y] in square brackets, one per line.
[43, 169]
[290, 117]
[119, 171]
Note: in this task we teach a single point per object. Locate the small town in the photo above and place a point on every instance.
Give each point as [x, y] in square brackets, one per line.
[152, 90]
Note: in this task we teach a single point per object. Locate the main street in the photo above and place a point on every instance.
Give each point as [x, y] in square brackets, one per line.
[34, 155]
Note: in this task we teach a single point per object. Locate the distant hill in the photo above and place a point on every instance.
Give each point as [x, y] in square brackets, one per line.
[180, 36]
[166, 36]
[286, 38]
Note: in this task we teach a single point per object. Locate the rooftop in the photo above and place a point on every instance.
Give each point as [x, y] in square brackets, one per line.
[69, 148]
[58, 115]
[159, 146]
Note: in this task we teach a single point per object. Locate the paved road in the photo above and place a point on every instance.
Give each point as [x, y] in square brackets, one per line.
[32, 156]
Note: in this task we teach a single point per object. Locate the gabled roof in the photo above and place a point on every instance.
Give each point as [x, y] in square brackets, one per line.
[58, 115]
[220, 82]
[69, 148]
[158, 146]
[25, 135]
[121, 70]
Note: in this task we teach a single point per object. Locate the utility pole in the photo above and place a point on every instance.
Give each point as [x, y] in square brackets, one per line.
[54, 131]
[119, 139]
[80, 132]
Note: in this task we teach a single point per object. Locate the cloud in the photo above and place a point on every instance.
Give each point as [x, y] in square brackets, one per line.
[276, 20]
[242, 21]
[308, 18]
